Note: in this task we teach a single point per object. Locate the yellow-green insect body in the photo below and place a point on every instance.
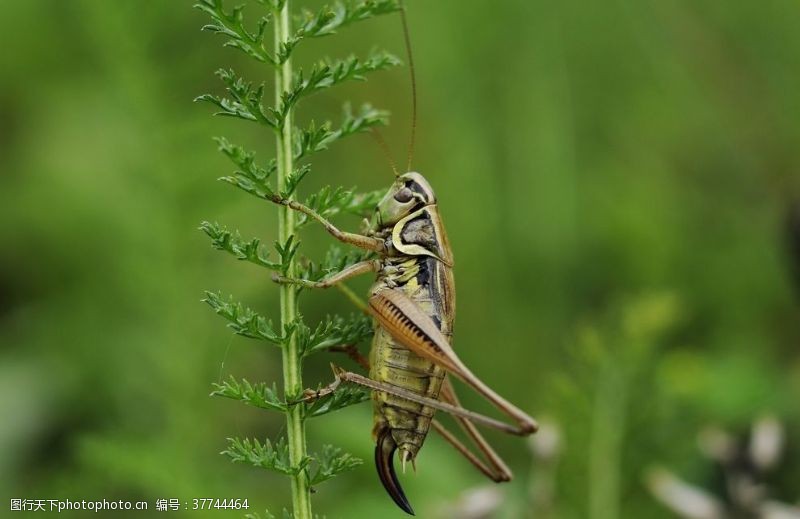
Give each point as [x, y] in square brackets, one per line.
[419, 264]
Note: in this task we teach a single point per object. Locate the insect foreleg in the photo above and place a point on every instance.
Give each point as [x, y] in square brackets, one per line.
[351, 271]
[358, 240]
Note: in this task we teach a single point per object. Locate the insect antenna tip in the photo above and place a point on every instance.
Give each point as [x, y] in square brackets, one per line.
[413, 78]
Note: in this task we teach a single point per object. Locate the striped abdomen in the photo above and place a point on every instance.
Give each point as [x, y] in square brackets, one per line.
[424, 281]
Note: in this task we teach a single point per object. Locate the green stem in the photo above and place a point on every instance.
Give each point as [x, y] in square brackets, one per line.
[292, 368]
[607, 436]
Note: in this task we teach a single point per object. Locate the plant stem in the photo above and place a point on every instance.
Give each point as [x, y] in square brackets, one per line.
[607, 436]
[292, 367]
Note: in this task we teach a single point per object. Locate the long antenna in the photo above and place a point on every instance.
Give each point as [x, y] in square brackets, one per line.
[376, 134]
[413, 85]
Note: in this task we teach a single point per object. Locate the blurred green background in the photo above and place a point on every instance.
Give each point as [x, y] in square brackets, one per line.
[615, 178]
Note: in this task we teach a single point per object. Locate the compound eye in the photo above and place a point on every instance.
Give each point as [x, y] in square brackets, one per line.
[404, 195]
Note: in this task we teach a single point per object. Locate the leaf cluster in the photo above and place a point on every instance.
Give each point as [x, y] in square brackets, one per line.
[254, 179]
[329, 202]
[233, 243]
[252, 250]
[333, 331]
[257, 395]
[317, 138]
[310, 24]
[231, 25]
[344, 396]
[266, 397]
[244, 321]
[328, 73]
[331, 462]
[244, 100]
[267, 455]
[329, 19]
[274, 456]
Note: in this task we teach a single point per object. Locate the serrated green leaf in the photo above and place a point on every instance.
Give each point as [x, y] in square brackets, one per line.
[245, 101]
[293, 180]
[329, 202]
[248, 176]
[244, 321]
[287, 251]
[232, 25]
[326, 74]
[246, 161]
[232, 242]
[257, 395]
[265, 455]
[331, 462]
[315, 139]
[334, 331]
[328, 19]
[344, 396]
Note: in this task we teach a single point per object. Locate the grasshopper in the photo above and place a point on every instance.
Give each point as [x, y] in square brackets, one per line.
[413, 304]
